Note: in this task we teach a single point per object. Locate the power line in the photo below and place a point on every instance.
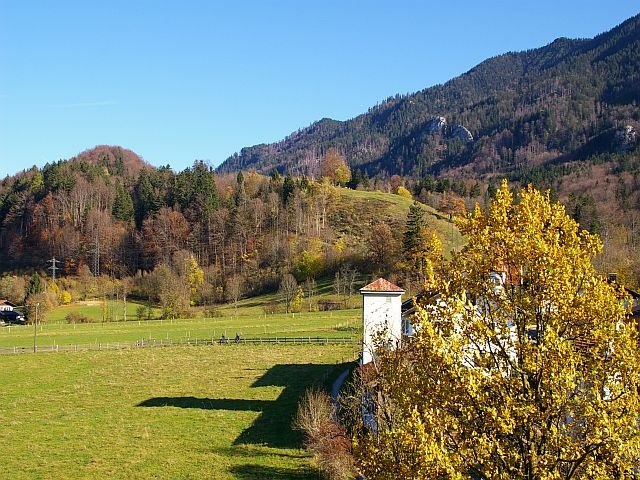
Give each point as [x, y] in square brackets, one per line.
[96, 257]
[54, 266]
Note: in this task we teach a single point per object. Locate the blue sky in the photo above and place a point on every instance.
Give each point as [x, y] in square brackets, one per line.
[180, 81]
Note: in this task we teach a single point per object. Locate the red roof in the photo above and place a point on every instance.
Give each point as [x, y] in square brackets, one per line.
[381, 285]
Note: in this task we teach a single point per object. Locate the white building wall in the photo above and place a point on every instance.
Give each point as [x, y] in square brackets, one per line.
[381, 314]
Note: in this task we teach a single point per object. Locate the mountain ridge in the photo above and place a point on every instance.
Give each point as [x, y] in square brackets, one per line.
[504, 92]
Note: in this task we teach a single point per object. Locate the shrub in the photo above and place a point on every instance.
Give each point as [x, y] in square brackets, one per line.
[144, 312]
[75, 317]
[213, 312]
[403, 192]
[325, 438]
[272, 307]
[66, 297]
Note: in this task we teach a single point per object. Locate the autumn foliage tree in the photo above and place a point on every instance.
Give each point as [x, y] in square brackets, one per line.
[452, 204]
[382, 246]
[288, 289]
[334, 167]
[524, 366]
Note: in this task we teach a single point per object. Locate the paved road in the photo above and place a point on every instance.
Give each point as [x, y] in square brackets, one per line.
[337, 385]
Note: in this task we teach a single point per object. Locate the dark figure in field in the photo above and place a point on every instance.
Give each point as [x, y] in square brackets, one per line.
[223, 339]
[237, 338]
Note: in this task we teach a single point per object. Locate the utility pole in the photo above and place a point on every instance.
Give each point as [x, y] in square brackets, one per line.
[96, 257]
[35, 330]
[54, 266]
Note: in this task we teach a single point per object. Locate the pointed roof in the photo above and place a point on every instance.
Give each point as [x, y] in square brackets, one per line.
[381, 285]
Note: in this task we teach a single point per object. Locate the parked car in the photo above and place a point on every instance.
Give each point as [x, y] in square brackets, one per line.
[12, 317]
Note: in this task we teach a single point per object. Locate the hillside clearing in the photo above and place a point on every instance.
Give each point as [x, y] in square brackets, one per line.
[362, 209]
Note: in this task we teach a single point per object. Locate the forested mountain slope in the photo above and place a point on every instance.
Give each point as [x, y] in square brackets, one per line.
[107, 212]
[570, 100]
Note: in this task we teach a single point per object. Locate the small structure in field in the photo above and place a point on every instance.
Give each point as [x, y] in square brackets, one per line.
[6, 306]
[329, 305]
[381, 317]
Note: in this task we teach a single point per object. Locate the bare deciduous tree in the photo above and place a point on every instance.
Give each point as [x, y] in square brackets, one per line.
[234, 290]
[288, 289]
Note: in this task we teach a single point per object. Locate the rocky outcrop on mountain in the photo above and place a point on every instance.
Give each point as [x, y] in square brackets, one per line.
[459, 132]
[440, 126]
[437, 125]
[626, 138]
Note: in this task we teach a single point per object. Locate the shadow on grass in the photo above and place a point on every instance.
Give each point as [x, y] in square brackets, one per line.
[207, 403]
[252, 472]
[257, 303]
[249, 452]
[273, 426]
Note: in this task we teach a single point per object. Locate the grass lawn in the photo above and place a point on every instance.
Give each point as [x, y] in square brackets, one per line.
[343, 323]
[178, 413]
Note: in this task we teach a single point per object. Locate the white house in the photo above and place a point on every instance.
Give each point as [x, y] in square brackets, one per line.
[381, 316]
[6, 306]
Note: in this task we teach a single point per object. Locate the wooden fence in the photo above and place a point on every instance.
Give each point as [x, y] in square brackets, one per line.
[148, 343]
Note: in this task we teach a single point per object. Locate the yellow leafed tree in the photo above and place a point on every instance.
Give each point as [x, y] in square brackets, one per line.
[524, 365]
[195, 278]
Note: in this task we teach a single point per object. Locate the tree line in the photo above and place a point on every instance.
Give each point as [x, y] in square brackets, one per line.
[193, 238]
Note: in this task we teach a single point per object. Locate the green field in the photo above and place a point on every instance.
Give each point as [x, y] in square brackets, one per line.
[96, 310]
[218, 412]
[343, 323]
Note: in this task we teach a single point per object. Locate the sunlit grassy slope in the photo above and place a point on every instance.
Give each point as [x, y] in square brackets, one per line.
[357, 210]
[98, 310]
[206, 412]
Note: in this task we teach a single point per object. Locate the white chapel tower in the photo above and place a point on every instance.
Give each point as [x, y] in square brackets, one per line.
[381, 316]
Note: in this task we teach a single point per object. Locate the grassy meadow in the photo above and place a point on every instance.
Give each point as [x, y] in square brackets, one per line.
[180, 412]
[184, 412]
[342, 323]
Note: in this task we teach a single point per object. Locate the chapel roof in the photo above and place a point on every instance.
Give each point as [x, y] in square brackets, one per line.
[381, 285]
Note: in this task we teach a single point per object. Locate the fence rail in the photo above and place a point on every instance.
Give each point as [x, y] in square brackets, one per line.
[148, 343]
